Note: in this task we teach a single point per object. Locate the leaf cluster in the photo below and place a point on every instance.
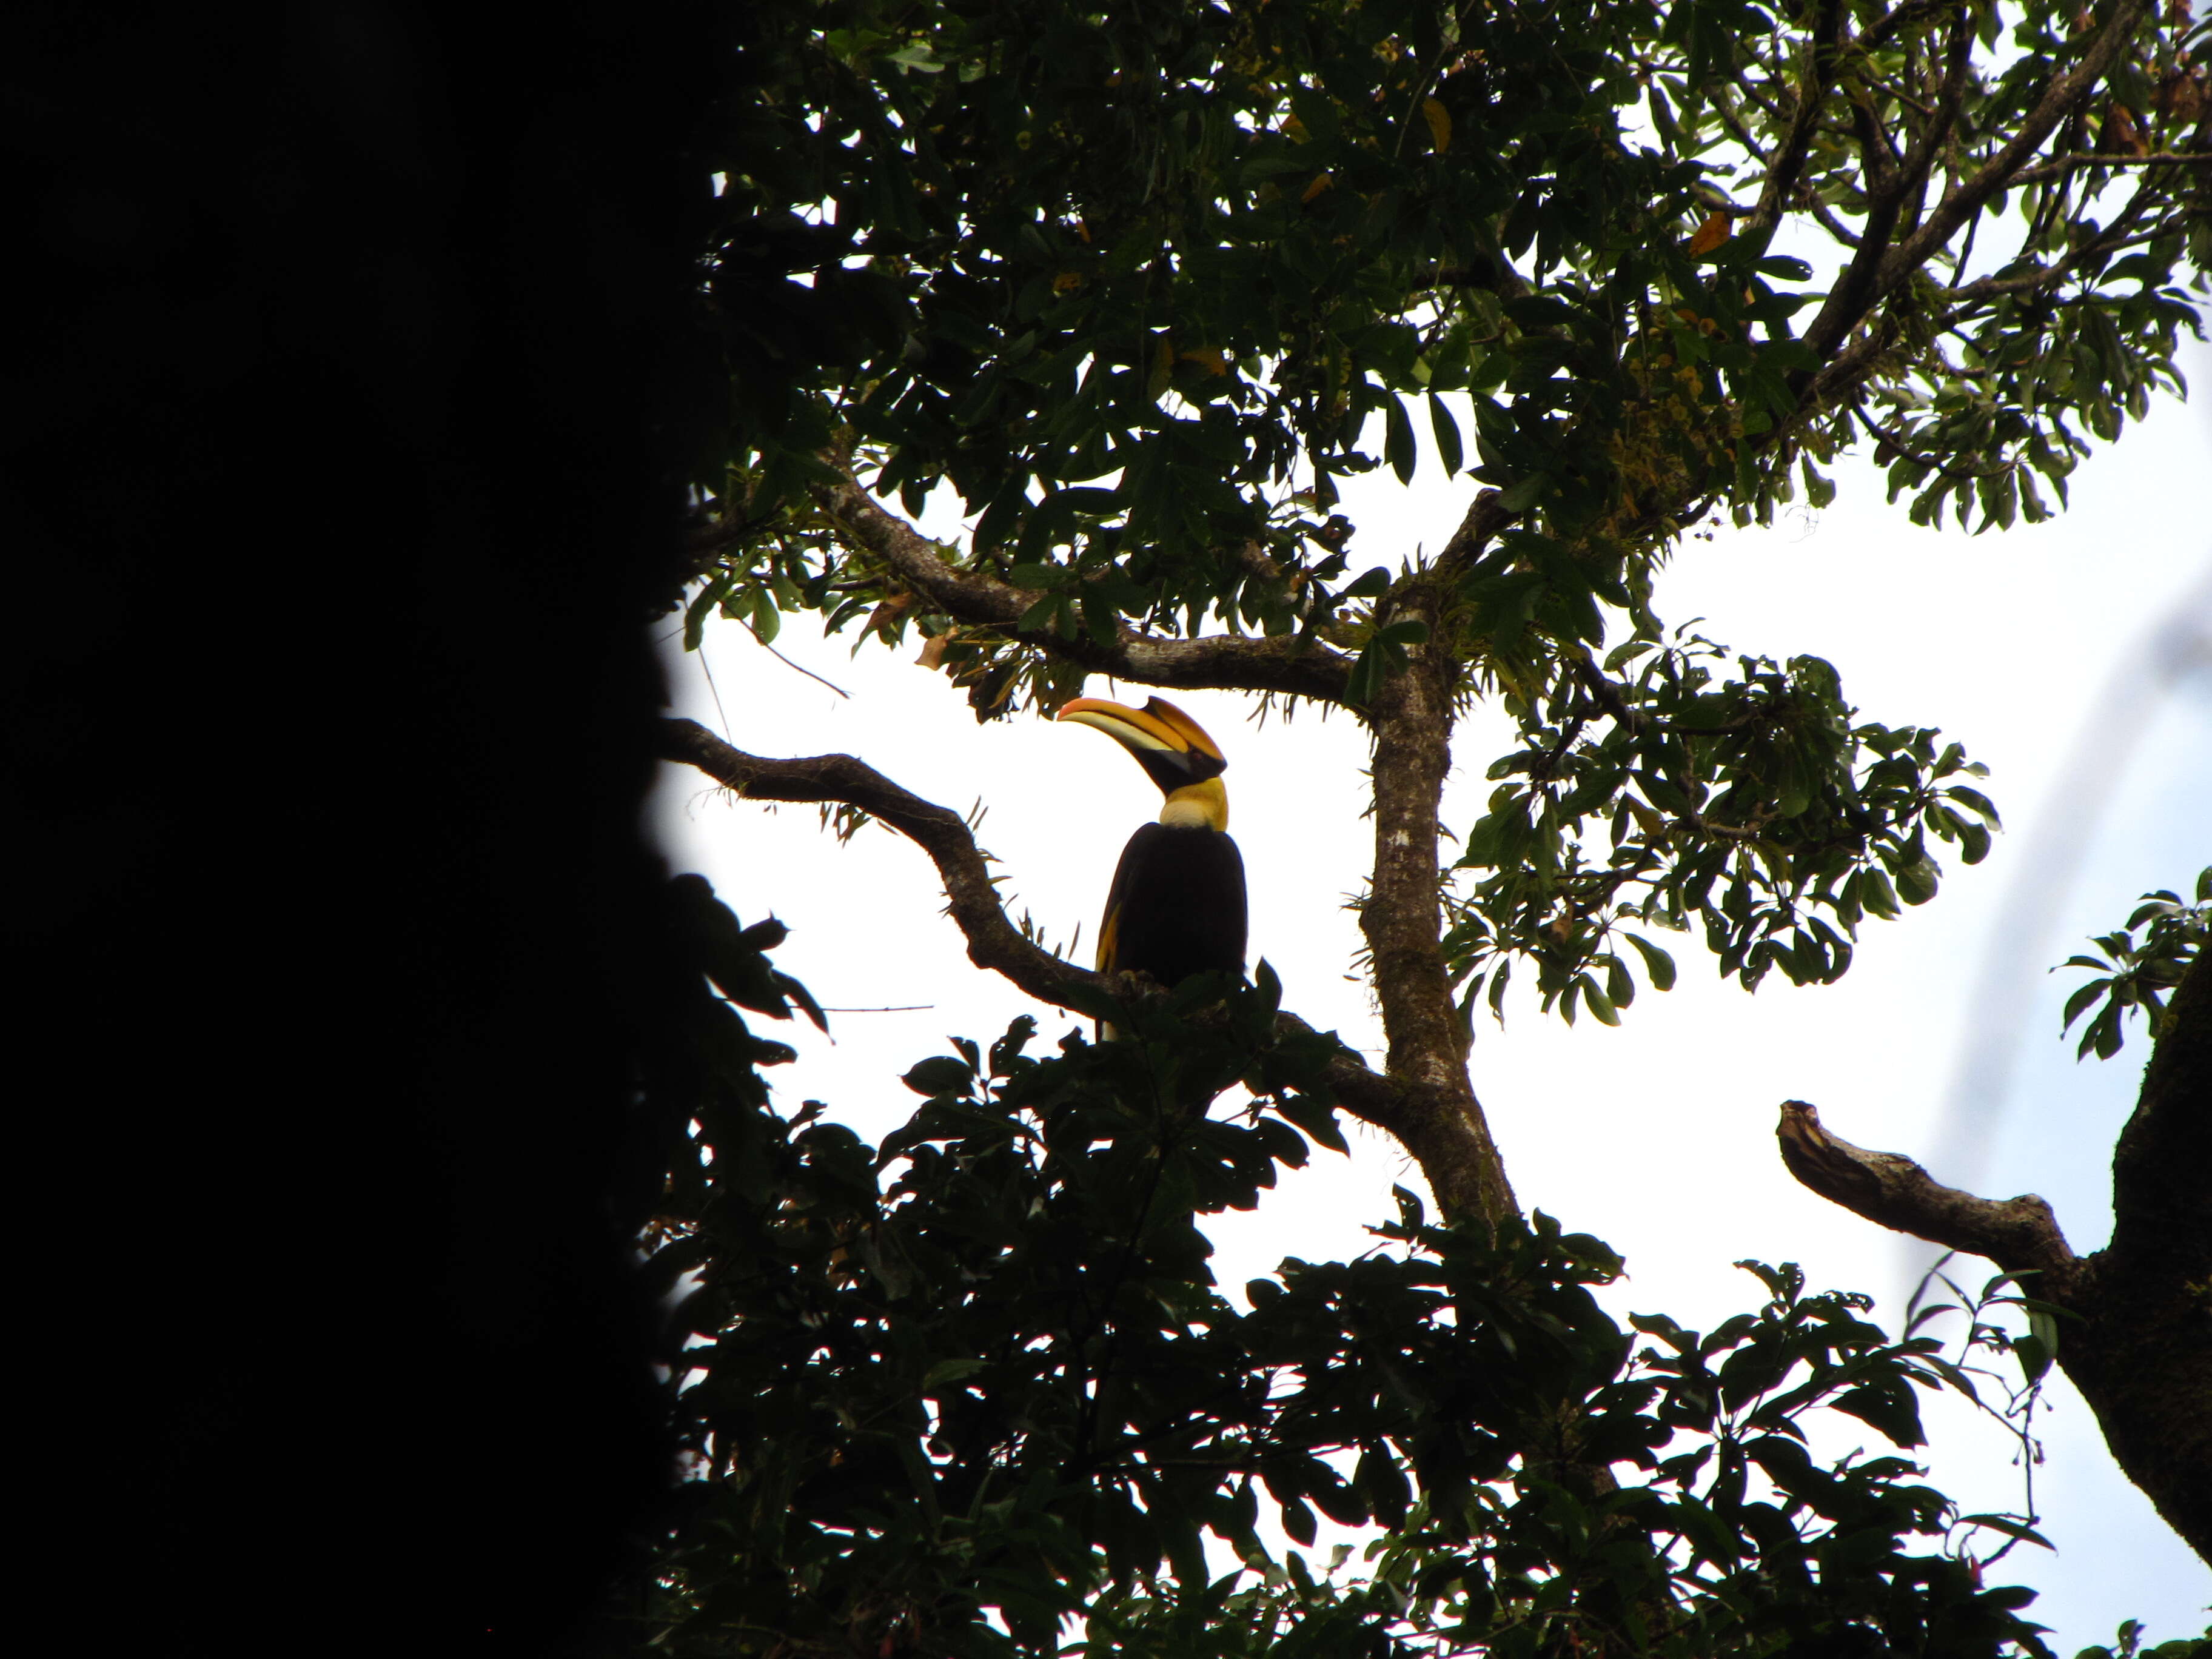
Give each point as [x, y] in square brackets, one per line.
[2135, 975]
[1747, 804]
[975, 1390]
[1141, 285]
[2128, 1644]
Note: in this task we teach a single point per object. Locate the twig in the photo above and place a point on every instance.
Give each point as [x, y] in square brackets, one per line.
[787, 662]
[2058, 164]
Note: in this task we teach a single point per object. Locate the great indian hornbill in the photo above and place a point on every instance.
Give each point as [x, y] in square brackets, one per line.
[1177, 903]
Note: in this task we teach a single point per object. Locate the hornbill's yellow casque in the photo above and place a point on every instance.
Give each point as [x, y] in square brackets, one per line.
[1177, 903]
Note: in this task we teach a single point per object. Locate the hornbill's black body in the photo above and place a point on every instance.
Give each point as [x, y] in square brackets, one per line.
[1176, 906]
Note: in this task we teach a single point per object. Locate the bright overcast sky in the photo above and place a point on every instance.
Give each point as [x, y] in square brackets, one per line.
[2075, 658]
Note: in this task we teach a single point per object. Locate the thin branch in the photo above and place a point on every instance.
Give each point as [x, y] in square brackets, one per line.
[1919, 164]
[1825, 215]
[787, 663]
[1895, 187]
[2057, 165]
[994, 942]
[2115, 240]
[1606, 695]
[1963, 200]
[1485, 519]
[1873, 274]
[1897, 18]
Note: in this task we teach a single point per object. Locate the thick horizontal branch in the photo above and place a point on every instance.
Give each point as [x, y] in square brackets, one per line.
[2020, 1235]
[994, 942]
[1295, 664]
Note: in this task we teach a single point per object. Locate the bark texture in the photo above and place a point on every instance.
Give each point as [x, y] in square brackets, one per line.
[1443, 1128]
[2138, 1337]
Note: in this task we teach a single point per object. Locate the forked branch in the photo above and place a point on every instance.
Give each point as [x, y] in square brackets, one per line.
[1880, 266]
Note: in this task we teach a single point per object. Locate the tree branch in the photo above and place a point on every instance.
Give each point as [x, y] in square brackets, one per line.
[1442, 1125]
[1485, 518]
[2020, 1235]
[1788, 162]
[1962, 201]
[994, 942]
[1296, 663]
[1895, 186]
[2063, 164]
[1873, 274]
[2139, 1341]
[2162, 1167]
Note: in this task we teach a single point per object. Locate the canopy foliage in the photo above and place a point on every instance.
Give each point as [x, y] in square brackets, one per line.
[1143, 285]
[950, 1394]
[1143, 288]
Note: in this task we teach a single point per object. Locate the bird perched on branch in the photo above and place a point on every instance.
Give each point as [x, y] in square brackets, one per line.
[1176, 906]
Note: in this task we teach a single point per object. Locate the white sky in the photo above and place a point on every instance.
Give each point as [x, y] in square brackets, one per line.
[1943, 1038]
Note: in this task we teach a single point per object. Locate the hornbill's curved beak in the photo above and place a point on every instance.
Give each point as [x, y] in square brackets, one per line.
[1172, 748]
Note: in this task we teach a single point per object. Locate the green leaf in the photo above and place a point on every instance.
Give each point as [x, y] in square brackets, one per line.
[1526, 494]
[1447, 435]
[767, 621]
[1597, 1001]
[2011, 1526]
[949, 1371]
[1917, 882]
[1398, 446]
[2043, 1334]
[1656, 963]
[943, 1075]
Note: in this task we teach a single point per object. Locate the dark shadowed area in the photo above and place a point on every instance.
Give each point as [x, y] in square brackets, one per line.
[342, 464]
